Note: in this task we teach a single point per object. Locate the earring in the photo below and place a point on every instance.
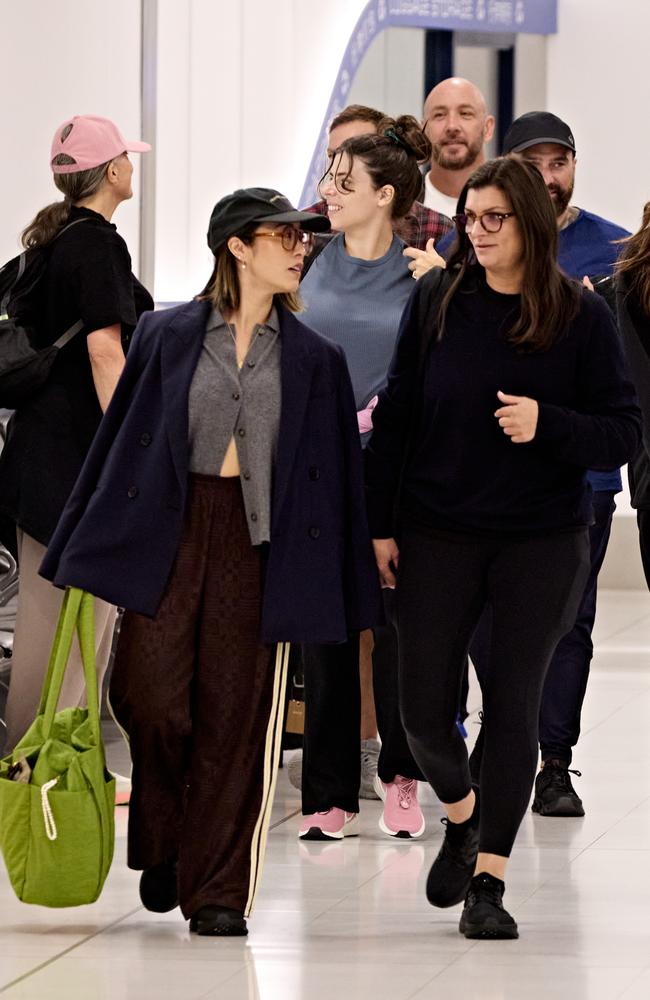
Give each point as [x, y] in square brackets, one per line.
[242, 265]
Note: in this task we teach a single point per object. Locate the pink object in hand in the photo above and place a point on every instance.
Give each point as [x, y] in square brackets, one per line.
[364, 417]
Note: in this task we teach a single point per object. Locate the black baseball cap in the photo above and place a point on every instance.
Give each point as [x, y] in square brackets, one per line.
[255, 205]
[535, 127]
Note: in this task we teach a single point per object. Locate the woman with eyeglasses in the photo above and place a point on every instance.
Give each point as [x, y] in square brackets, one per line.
[222, 506]
[354, 295]
[503, 391]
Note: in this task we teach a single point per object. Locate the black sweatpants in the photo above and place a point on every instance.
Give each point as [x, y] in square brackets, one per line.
[444, 582]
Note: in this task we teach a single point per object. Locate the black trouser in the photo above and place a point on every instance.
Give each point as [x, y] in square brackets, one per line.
[534, 586]
[568, 672]
[331, 764]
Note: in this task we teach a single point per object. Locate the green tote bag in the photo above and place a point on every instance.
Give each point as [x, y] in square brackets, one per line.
[56, 797]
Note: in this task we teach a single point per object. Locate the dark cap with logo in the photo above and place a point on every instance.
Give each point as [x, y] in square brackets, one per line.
[256, 205]
[534, 128]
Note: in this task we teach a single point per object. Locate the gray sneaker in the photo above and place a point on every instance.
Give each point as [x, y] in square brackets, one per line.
[294, 770]
[369, 760]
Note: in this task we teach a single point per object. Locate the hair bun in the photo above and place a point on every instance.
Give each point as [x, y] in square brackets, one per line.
[406, 131]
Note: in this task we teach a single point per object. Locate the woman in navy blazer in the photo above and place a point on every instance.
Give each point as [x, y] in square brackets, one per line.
[194, 683]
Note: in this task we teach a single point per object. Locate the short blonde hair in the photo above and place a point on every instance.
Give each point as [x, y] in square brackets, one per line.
[223, 290]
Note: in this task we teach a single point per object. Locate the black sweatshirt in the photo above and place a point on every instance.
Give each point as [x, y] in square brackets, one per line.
[463, 473]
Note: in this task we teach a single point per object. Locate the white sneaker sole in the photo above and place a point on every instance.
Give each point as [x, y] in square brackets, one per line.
[396, 834]
[350, 829]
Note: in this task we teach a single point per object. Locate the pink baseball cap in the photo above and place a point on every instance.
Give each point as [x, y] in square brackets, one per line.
[88, 141]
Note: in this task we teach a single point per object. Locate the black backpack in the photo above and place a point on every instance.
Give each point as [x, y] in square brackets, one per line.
[24, 368]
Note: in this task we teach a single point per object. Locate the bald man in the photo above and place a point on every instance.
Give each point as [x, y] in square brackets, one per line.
[458, 126]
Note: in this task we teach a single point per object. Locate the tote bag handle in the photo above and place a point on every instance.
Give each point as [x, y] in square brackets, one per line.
[77, 614]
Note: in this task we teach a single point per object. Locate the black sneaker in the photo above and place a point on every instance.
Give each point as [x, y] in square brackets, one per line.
[483, 915]
[218, 921]
[554, 793]
[159, 888]
[452, 870]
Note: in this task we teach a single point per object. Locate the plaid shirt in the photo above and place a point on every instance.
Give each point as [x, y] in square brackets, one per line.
[420, 225]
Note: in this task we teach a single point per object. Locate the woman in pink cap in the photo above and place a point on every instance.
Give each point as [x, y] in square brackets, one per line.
[87, 277]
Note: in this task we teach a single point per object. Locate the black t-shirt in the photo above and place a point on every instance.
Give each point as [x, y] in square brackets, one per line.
[88, 276]
[464, 473]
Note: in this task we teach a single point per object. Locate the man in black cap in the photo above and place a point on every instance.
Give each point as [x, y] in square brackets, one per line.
[587, 241]
[587, 246]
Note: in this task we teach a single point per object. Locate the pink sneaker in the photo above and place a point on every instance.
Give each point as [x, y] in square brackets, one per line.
[402, 816]
[333, 824]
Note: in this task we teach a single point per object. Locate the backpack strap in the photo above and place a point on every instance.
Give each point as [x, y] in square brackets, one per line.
[69, 334]
[434, 287]
[22, 264]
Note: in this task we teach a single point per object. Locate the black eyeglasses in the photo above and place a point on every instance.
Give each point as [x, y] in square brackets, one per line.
[290, 237]
[491, 222]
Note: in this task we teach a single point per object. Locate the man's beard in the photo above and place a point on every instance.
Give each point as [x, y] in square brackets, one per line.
[562, 197]
[472, 153]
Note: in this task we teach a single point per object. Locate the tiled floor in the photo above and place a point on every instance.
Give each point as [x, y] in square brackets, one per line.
[350, 920]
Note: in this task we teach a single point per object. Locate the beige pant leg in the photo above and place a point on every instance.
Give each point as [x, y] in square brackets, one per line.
[39, 605]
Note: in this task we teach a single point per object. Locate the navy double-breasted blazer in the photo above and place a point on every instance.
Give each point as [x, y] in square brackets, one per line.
[120, 531]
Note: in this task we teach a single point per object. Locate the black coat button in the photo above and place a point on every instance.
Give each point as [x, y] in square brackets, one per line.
[241, 432]
[250, 364]
[314, 473]
[253, 516]
[246, 475]
[145, 440]
[132, 492]
[314, 532]
[235, 396]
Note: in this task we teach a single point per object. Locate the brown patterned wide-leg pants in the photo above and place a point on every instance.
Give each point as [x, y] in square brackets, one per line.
[201, 701]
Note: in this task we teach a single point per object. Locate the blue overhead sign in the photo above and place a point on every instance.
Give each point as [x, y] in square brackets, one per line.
[535, 17]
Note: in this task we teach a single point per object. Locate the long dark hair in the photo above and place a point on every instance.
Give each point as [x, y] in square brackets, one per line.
[75, 187]
[634, 262]
[549, 300]
[390, 156]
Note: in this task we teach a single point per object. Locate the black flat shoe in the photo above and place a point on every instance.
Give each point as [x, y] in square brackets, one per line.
[159, 888]
[484, 915]
[452, 870]
[218, 921]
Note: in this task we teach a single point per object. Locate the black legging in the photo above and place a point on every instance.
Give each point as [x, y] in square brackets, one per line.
[534, 586]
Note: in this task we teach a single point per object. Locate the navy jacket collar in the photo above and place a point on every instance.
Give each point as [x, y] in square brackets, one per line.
[181, 347]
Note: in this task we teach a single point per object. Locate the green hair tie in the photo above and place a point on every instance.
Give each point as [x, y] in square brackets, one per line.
[391, 134]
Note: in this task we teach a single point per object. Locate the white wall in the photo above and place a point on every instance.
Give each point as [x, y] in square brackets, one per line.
[597, 80]
[242, 89]
[381, 81]
[58, 60]
[530, 74]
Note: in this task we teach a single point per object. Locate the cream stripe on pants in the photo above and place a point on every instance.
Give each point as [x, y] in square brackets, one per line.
[39, 604]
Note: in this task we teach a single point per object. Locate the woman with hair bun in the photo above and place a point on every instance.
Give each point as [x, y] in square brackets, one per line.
[87, 278]
[354, 293]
